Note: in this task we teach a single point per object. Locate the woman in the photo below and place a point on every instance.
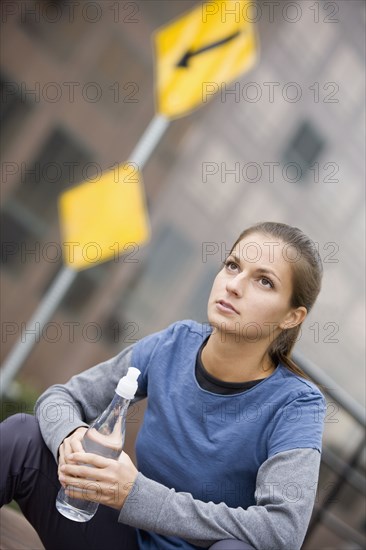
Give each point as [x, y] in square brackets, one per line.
[229, 450]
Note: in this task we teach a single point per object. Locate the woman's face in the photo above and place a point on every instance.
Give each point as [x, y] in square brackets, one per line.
[251, 294]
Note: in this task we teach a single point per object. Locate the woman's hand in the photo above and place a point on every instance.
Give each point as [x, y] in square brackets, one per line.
[70, 444]
[108, 483]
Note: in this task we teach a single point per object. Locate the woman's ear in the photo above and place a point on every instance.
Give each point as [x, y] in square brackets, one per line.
[294, 317]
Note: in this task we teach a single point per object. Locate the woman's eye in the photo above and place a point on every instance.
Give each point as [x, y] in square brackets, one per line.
[231, 265]
[267, 282]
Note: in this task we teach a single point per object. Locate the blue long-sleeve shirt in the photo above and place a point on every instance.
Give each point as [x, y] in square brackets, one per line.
[211, 466]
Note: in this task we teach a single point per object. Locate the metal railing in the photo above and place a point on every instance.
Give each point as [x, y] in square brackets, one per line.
[346, 470]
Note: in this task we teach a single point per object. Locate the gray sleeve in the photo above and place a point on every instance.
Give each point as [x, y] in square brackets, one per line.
[64, 407]
[285, 494]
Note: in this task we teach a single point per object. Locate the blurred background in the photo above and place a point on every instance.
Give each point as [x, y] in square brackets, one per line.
[284, 142]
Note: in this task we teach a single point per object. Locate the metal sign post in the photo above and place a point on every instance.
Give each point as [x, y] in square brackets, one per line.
[196, 54]
[64, 279]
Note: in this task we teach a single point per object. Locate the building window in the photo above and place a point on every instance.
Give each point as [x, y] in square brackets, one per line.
[61, 163]
[79, 293]
[304, 149]
[13, 111]
[196, 307]
[59, 24]
[32, 208]
[82, 288]
[15, 235]
[159, 280]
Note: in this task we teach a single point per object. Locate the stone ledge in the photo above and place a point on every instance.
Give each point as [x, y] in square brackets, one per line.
[16, 533]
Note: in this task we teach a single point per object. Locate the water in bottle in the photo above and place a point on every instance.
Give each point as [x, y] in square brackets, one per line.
[105, 437]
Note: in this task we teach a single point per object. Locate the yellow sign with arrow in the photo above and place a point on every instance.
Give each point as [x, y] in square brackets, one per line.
[212, 44]
[100, 220]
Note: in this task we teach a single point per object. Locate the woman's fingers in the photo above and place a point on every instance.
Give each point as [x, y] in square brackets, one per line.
[96, 484]
[69, 445]
[107, 494]
[61, 456]
[61, 462]
[90, 458]
[64, 451]
[70, 472]
[67, 449]
[97, 478]
[75, 441]
[88, 466]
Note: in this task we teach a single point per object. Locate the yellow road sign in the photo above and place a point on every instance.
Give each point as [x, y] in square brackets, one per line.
[210, 45]
[105, 218]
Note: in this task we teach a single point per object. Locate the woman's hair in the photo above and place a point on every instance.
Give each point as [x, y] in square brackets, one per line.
[307, 271]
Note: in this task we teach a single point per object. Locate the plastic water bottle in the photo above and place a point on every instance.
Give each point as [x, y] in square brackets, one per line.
[105, 437]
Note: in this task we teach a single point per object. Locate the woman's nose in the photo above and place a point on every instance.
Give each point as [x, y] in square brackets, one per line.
[235, 285]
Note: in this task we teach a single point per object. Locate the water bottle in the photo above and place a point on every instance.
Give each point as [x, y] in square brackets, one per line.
[105, 437]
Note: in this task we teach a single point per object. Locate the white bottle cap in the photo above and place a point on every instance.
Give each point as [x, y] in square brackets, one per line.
[127, 386]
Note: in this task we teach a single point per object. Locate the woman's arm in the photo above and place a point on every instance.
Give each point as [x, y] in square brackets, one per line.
[285, 494]
[63, 408]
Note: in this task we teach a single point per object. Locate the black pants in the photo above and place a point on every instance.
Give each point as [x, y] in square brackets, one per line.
[28, 475]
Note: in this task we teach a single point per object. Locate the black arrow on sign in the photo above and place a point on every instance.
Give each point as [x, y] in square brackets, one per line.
[187, 56]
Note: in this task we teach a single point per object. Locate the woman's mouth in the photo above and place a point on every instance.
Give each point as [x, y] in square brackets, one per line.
[225, 307]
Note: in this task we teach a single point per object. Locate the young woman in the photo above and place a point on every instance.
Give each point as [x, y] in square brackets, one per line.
[229, 450]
